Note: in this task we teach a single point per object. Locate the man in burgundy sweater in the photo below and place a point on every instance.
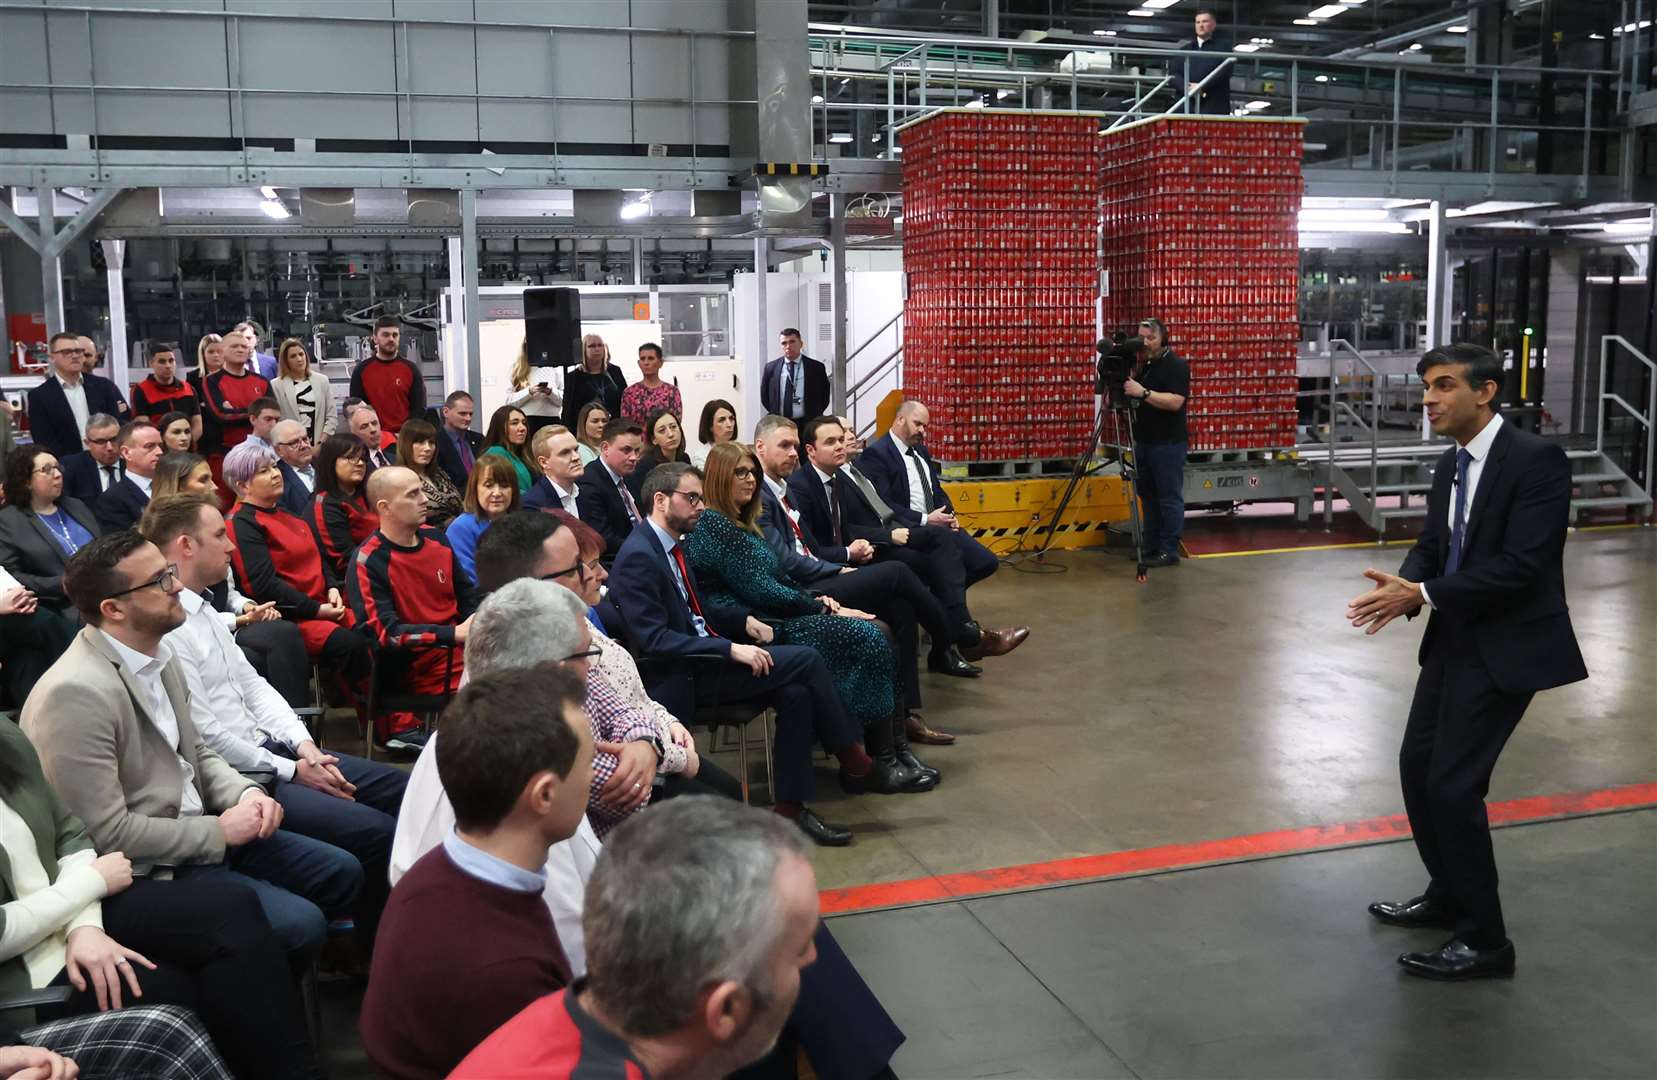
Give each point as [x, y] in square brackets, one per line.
[391, 384]
[407, 589]
[467, 940]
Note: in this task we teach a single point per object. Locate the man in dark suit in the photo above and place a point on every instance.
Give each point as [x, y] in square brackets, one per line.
[794, 385]
[93, 471]
[61, 407]
[294, 452]
[364, 423]
[909, 481]
[1213, 99]
[122, 505]
[709, 658]
[1490, 565]
[458, 446]
[605, 501]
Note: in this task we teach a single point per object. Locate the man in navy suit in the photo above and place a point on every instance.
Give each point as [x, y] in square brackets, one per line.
[1489, 563]
[794, 385]
[606, 502]
[458, 446]
[1215, 98]
[699, 652]
[559, 456]
[93, 471]
[908, 480]
[61, 406]
[294, 452]
[122, 505]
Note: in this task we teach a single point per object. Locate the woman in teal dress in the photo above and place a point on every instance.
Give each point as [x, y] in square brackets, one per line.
[733, 563]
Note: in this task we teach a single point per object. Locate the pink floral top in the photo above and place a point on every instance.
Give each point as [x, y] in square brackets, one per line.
[639, 401]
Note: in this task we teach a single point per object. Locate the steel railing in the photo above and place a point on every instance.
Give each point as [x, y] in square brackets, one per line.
[866, 382]
[1645, 419]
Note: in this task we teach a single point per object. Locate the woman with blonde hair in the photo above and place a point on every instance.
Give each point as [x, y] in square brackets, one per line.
[539, 392]
[180, 472]
[589, 430]
[596, 380]
[209, 358]
[302, 393]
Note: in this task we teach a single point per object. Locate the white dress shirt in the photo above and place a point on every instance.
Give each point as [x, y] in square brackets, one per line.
[76, 394]
[669, 542]
[109, 475]
[919, 482]
[780, 490]
[234, 710]
[143, 482]
[566, 499]
[1478, 450]
[426, 820]
[627, 500]
[146, 672]
[307, 476]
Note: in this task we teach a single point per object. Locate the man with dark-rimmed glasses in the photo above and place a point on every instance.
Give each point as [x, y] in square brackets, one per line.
[70, 395]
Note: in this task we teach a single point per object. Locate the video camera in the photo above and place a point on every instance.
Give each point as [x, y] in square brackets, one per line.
[1117, 358]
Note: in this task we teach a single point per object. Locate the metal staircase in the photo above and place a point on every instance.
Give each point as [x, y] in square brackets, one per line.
[1385, 478]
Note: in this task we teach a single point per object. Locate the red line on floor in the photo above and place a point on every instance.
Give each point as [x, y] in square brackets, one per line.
[1232, 849]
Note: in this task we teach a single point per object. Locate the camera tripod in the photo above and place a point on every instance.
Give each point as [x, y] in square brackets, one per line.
[1115, 415]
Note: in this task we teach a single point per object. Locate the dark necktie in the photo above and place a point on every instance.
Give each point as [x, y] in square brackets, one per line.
[109, 477]
[1458, 527]
[788, 391]
[870, 495]
[467, 461]
[926, 483]
[833, 489]
[627, 501]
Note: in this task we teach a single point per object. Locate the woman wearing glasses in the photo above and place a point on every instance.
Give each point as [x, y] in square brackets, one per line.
[303, 394]
[38, 533]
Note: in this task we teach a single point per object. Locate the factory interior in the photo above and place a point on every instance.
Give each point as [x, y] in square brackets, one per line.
[1152, 815]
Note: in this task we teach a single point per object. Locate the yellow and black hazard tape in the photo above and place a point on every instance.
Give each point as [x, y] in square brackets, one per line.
[1037, 527]
[791, 168]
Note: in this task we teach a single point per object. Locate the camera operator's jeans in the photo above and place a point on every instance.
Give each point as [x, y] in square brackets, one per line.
[1162, 487]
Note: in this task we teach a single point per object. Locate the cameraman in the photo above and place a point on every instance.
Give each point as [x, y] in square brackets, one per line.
[1160, 442]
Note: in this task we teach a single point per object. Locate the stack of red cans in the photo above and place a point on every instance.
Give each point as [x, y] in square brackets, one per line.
[1000, 223]
[1200, 230]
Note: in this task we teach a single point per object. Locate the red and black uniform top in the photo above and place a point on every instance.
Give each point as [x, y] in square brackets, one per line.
[552, 1036]
[407, 596]
[276, 558]
[341, 522]
[152, 400]
[395, 388]
[225, 421]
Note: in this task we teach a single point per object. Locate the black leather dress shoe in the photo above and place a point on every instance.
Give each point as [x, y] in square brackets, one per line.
[907, 757]
[1416, 913]
[1456, 961]
[822, 832]
[885, 778]
[1162, 558]
[949, 662]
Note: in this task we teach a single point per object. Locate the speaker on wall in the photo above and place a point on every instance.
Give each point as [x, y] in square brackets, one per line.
[552, 326]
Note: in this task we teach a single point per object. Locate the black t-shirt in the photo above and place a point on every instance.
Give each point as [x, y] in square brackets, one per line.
[1165, 374]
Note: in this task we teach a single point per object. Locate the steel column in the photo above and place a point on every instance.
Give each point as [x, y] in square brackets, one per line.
[1438, 282]
[115, 259]
[469, 272]
[755, 365]
[837, 251]
[51, 268]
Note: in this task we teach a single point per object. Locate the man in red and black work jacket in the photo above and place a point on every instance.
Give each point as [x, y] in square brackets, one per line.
[390, 383]
[229, 391]
[407, 590]
[162, 392]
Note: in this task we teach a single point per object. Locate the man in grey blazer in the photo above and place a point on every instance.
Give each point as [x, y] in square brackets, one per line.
[111, 720]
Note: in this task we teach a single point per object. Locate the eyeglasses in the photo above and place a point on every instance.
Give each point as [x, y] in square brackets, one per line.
[692, 497]
[566, 572]
[744, 471]
[49, 470]
[303, 440]
[164, 581]
[590, 654]
[106, 441]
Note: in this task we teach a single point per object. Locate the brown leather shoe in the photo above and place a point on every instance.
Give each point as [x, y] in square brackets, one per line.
[996, 642]
[915, 725]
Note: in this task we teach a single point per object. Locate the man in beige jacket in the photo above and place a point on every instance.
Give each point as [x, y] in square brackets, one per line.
[111, 721]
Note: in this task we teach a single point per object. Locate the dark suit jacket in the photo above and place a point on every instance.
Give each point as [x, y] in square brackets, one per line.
[28, 551]
[1508, 596]
[541, 496]
[658, 621]
[820, 565]
[121, 506]
[80, 477]
[448, 458]
[1216, 96]
[888, 471]
[52, 422]
[296, 497]
[816, 386]
[601, 506]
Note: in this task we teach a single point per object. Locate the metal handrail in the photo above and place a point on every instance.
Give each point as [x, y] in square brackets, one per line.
[1646, 419]
[870, 340]
[1133, 110]
[1183, 104]
[855, 393]
[1336, 345]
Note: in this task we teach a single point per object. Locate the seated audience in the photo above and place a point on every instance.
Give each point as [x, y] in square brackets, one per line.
[558, 460]
[31, 637]
[651, 393]
[718, 425]
[88, 473]
[656, 592]
[491, 492]
[132, 766]
[508, 437]
[380, 446]
[40, 527]
[417, 450]
[162, 393]
[304, 393]
[744, 974]
[122, 505]
[177, 432]
[263, 413]
[664, 441]
[180, 472]
[408, 591]
[340, 800]
[295, 455]
[607, 501]
[589, 429]
[142, 1041]
[341, 515]
[458, 449]
[83, 920]
[467, 940]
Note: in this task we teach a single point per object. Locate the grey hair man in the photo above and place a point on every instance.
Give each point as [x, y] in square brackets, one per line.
[739, 920]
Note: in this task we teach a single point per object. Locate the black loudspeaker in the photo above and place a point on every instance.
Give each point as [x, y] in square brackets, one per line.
[552, 327]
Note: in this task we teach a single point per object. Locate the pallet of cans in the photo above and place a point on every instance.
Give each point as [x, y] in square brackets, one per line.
[1000, 222]
[1199, 228]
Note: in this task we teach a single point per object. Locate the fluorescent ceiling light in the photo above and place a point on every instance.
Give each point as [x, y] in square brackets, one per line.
[1104, 33]
[1607, 279]
[816, 99]
[638, 208]
[1257, 105]
[1338, 213]
[1327, 11]
[268, 192]
[1306, 22]
[975, 103]
[1158, 3]
[1633, 225]
[1141, 13]
[1002, 95]
[1497, 206]
[1416, 47]
[840, 137]
[1596, 37]
[1247, 46]
[1321, 78]
[1394, 227]
[274, 209]
[1455, 29]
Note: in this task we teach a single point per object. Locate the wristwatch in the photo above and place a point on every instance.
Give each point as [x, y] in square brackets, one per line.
[1146, 396]
[656, 744]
